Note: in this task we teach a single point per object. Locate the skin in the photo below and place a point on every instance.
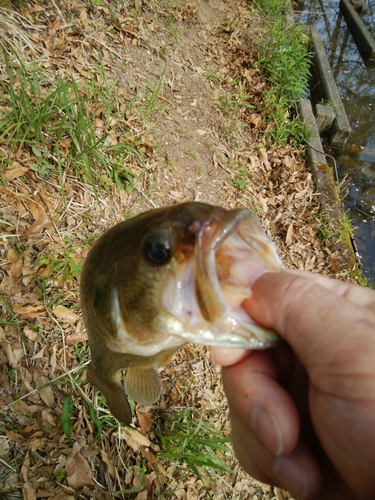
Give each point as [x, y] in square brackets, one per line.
[303, 414]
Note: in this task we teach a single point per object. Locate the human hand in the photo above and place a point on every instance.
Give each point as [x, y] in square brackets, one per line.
[303, 414]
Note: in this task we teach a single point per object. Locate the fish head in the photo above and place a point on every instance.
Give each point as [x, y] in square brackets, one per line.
[162, 279]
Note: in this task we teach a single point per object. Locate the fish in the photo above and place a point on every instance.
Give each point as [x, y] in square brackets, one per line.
[164, 278]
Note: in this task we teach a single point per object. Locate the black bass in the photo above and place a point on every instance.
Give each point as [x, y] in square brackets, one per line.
[158, 281]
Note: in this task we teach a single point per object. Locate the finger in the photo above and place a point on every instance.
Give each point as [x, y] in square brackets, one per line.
[225, 356]
[308, 314]
[357, 294]
[298, 472]
[255, 396]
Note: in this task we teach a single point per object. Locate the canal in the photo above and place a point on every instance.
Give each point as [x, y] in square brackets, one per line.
[355, 78]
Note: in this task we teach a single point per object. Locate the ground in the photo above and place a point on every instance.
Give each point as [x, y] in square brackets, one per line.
[186, 98]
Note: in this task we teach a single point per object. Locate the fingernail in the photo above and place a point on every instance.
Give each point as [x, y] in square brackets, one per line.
[225, 356]
[291, 475]
[266, 427]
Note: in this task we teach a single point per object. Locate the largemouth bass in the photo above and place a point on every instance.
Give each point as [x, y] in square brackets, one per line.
[162, 279]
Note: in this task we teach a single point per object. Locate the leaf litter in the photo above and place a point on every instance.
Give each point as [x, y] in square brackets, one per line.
[176, 68]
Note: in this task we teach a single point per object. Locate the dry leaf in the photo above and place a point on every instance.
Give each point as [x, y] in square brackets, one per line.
[28, 492]
[39, 354]
[134, 439]
[75, 338]
[14, 436]
[14, 173]
[289, 235]
[46, 393]
[41, 223]
[145, 420]
[62, 312]
[30, 333]
[18, 309]
[108, 462]
[176, 194]
[14, 354]
[78, 472]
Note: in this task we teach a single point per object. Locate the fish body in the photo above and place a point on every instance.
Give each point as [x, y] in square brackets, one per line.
[155, 282]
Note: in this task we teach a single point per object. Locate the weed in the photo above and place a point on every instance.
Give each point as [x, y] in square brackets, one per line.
[192, 153]
[242, 177]
[196, 445]
[150, 106]
[185, 133]
[57, 121]
[213, 77]
[285, 61]
[234, 102]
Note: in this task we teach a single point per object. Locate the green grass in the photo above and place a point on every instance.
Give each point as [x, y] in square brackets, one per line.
[69, 127]
[194, 445]
[242, 177]
[284, 59]
[234, 102]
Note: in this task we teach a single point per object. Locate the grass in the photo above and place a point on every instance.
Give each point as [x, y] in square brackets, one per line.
[70, 127]
[284, 59]
[234, 102]
[195, 445]
[242, 177]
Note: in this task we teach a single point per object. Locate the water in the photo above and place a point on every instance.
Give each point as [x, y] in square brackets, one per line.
[355, 80]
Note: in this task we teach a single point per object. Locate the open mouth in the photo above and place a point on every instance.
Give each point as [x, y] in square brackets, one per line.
[237, 236]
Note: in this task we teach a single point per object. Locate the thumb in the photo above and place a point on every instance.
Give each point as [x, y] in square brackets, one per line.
[320, 318]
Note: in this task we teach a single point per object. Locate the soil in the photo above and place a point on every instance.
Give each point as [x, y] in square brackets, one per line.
[199, 142]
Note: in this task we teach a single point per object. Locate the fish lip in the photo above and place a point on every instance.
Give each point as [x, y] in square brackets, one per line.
[221, 226]
[227, 328]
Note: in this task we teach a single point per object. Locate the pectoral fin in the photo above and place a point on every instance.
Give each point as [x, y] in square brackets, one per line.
[143, 385]
[114, 393]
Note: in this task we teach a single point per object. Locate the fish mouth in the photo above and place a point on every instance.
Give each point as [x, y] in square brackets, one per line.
[218, 317]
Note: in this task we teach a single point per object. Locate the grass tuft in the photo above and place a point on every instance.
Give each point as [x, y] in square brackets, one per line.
[70, 127]
[196, 445]
[285, 60]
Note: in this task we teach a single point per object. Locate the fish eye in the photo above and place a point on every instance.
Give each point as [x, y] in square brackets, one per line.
[157, 253]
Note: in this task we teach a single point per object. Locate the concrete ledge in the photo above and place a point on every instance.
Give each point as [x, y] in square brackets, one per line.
[361, 35]
[316, 158]
[328, 196]
[326, 88]
[324, 116]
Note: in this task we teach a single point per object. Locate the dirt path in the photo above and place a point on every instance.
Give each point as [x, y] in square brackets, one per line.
[203, 137]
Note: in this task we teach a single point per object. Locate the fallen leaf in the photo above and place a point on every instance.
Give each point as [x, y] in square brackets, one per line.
[134, 439]
[18, 309]
[14, 173]
[75, 338]
[78, 472]
[30, 333]
[14, 354]
[176, 194]
[289, 235]
[46, 393]
[28, 492]
[41, 223]
[108, 462]
[65, 314]
[14, 436]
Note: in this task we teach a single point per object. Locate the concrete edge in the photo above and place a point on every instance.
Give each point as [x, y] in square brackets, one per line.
[326, 87]
[361, 35]
[327, 191]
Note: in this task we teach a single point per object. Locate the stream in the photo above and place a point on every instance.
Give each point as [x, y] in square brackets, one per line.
[355, 79]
